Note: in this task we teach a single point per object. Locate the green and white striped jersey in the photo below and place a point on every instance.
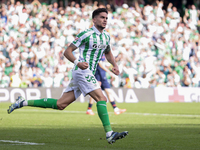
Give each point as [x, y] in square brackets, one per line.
[92, 45]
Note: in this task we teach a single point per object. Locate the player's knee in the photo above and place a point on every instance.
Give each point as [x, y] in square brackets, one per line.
[61, 106]
[103, 98]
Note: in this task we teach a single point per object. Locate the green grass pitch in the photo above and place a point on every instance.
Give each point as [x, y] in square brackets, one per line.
[151, 126]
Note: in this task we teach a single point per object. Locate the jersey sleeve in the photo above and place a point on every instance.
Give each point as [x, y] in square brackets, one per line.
[81, 37]
[77, 41]
[108, 39]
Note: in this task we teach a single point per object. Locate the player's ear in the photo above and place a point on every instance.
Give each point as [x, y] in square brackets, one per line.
[94, 19]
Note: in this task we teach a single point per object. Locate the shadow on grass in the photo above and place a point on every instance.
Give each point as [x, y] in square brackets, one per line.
[141, 137]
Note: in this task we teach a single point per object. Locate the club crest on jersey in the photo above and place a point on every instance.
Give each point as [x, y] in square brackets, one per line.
[95, 46]
[76, 39]
[95, 40]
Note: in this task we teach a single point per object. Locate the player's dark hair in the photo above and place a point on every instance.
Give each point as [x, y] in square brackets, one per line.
[98, 11]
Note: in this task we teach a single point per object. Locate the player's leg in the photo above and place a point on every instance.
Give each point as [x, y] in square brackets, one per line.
[103, 115]
[90, 104]
[69, 95]
[88, 84]
[61, 103]
[91, 100]
[66, 99]
[98, 96]
[117, 111]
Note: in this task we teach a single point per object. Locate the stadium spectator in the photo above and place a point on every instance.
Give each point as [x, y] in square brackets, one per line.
[47, 79]
[65, 81]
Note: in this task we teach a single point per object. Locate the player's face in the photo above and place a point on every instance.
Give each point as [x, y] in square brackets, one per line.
[100, 21]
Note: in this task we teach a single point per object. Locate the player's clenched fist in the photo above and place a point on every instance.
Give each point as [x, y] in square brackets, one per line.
[83, 65]
[115, 70]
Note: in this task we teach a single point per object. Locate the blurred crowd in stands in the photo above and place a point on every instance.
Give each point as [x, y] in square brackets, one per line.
[153, 46]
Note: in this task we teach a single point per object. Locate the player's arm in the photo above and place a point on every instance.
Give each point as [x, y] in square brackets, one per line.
[69, 55]
[111, 59]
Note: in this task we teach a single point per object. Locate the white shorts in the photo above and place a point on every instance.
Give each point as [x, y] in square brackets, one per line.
[83, 81]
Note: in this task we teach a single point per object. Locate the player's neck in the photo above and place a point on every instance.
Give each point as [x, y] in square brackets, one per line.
[100, 29]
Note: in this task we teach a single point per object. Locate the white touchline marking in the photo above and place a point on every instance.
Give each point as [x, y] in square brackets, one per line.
[127, 113]
[21, 143]
[171, 115]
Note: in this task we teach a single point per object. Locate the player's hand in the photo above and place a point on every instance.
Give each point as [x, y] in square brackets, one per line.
[115, 70]
[83, 65]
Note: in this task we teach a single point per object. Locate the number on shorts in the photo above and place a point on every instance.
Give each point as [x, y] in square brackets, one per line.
[91, 78]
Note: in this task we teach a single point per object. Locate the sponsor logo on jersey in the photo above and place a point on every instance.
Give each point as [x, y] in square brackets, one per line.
[95, 46]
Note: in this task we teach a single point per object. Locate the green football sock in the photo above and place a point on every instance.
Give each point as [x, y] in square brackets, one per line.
[103, 115]
[44, 103]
